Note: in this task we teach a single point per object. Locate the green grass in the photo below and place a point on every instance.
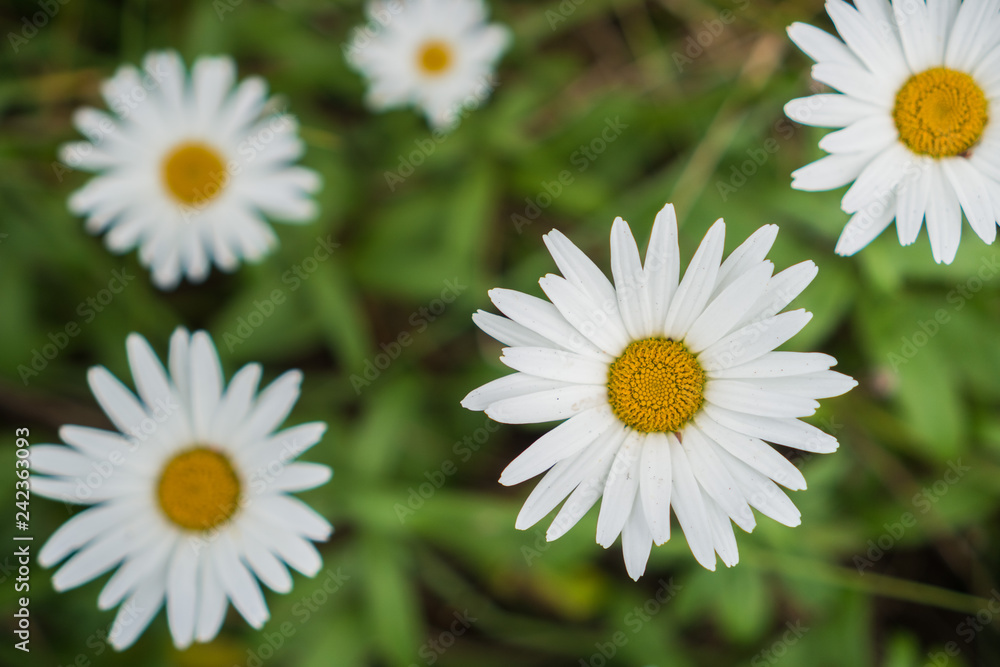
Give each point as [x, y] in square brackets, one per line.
[423, 530]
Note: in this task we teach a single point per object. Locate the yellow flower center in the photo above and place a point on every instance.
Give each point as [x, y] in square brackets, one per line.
[434, 57]
[198, 489]
[194, 173]
[656, 385]
[940, 112]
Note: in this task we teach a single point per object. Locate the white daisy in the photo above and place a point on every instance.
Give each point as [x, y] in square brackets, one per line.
[436, 54]
[920, 86]
[190, 495]
[668, 386]
[188, 168]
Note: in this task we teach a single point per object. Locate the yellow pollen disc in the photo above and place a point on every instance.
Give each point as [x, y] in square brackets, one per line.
[940, 112]
[434, 57]
[198, 489]
[656, 385]
[194, 173]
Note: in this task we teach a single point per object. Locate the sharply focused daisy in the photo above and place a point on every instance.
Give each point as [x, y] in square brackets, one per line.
[920, 137]
[439, 55]
[190, 494]
[668, 387]
[189, 167]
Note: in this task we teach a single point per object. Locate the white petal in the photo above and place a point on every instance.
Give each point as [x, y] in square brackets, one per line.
[81, 529]
[560, 443]
[865, 135]
[714, 478]
[754, 452]
[636, 543]
[689, 506]
[822, 384]
[864, 226]
[662, 265]
[829, 110]
[546, 406]
[788, 432]
[272, 406]
[293, 514]
[654, 485]
[761, 492]
[752, 341]
[239, 586]
[266, 566]
[620, 489]
[728, 308]
[777, 364]
[831, 172]
[508, 386]
[749, 254]
[944, 218]
[544, 319]
[182, 594]
[136, 613]
[630, 281]
[820, 45]
[567, 475]
[212, 600]
[120, 404]
[973, 195]
[913, 193]
[588, 491]
[878, 180]
[599, 322]
[698, 283]
[206, 383]
[781, 290]
[556, 365]
[508, 332]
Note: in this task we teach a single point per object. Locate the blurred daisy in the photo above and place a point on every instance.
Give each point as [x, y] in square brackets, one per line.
[920, 86]
[190, 495]
[668, 388]
[188, 168]
[436, 54]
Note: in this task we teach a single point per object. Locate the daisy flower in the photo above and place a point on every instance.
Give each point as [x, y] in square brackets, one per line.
[668, 387]
[920, 88]
[435, 54]
[189, 496]
[188, 167]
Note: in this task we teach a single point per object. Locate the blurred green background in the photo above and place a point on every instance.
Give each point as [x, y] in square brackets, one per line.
[898, 542]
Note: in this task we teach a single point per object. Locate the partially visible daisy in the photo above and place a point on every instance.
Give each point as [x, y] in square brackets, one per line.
[920, 86]
[190, 494]
[439, 55]
[189, 167]
[668, 387]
